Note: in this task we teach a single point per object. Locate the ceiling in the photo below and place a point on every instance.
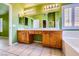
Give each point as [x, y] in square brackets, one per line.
[27, 5]
[3, 9]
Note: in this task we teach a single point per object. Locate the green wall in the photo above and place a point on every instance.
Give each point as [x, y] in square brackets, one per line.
[16, 8]
[5, 32]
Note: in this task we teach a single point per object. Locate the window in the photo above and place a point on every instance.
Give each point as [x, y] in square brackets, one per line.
[70, 16]
[1, 26]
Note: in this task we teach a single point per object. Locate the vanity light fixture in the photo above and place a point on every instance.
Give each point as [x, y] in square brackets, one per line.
[29, 11]
[50, 7]
[21, 13]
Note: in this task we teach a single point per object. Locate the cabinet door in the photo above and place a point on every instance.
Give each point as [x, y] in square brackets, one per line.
[21, 36]
[29, 37]
[58, 39]
[52, 40]
[46, 39]
[25, 35]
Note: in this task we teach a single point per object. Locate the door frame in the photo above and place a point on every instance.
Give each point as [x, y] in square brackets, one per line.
[10, 22]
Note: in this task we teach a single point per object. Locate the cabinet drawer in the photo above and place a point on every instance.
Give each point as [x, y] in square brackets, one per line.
[46, 40]
[31, 32]
[58, 33]
[45, 32]
[38, 32]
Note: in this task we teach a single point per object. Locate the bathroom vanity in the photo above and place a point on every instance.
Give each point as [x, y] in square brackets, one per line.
[50, 38]
[46, 23]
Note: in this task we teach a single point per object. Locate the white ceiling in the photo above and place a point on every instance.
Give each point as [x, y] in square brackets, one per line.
[27, 5]
[3, 9]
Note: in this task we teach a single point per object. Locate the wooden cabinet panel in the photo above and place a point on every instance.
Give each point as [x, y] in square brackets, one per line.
[52, 40]
[45, 40]
[58, 39]
[24, 36]
[21, 36]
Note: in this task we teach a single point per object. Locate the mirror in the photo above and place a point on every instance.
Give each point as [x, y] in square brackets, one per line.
[26, 21]
[51, 20]
[31, 23]
[48, 20]
[44, 23]
[23, 20]
[36, 24]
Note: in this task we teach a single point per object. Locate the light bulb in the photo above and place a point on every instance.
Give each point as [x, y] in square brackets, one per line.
[53, 6]
[57, 5]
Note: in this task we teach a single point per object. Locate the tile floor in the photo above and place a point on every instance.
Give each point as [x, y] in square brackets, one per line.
[3, 42]
[34, 49]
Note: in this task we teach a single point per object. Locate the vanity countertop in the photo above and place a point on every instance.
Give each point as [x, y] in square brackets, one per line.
[43, 29]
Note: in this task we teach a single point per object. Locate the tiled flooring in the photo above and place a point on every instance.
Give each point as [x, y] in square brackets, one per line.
[3, 42]
[34, 49]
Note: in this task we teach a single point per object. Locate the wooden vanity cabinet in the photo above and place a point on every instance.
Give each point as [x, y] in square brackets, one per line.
[52, 39]
[49, 38]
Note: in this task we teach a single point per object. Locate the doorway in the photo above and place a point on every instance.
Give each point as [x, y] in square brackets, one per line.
[5, 24]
